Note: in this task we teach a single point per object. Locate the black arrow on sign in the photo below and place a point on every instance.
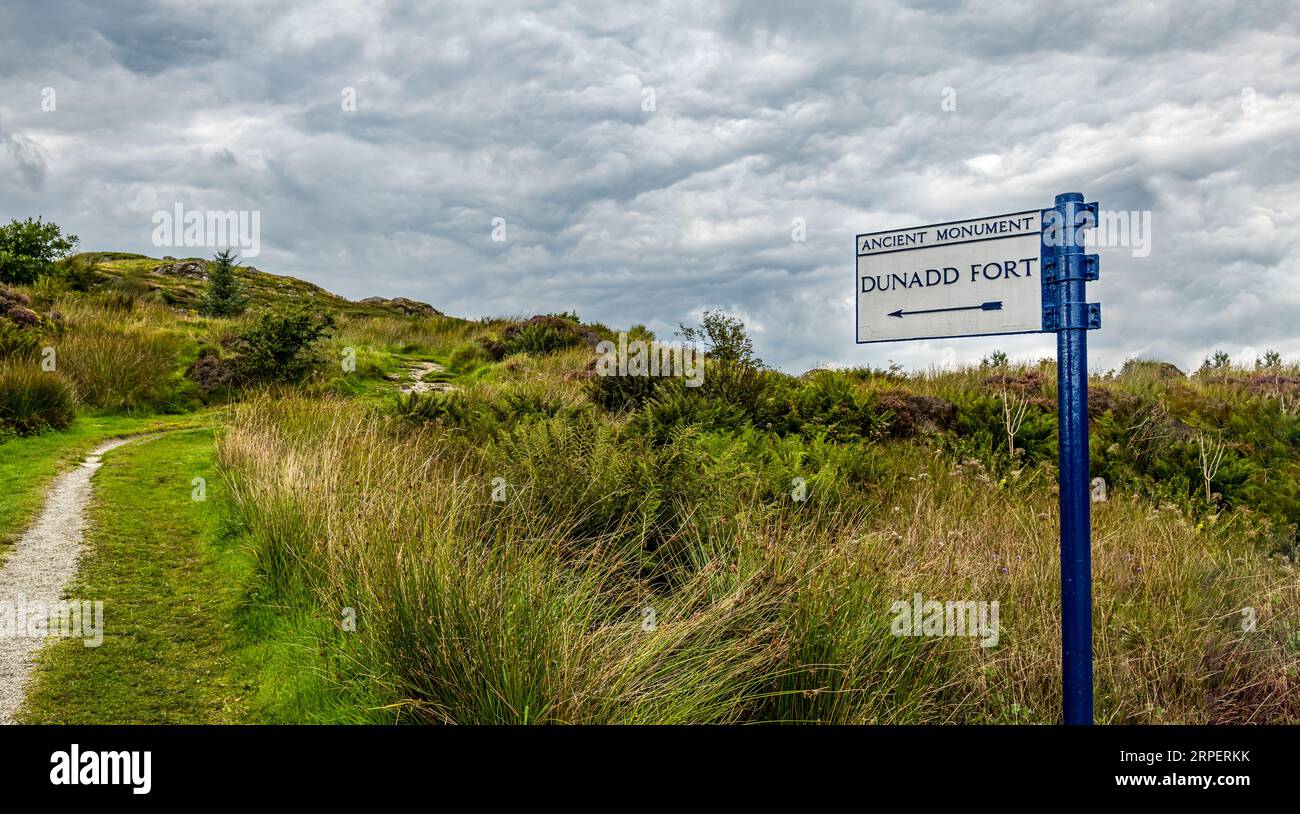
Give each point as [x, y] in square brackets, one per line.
[995, 305]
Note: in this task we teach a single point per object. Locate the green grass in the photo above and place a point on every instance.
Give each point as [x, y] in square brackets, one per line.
[27, 465]
[262, 288]
[190, 636]
[169, 599]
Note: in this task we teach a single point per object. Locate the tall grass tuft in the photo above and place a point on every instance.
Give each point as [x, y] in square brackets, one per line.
[33, 400]
[124, 368]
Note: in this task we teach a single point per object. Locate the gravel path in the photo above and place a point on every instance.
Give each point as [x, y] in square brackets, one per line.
[40, 565]
[419, 385]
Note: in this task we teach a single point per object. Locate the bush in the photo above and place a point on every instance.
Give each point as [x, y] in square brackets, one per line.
[675, 407]
[211, 372]
[20, 327]
[620, 392]
[79, 272]
[466, 358]
[29, 249]
[32, 400]
[540, 335]
[724, 339]
[282, 345]
[16, 342]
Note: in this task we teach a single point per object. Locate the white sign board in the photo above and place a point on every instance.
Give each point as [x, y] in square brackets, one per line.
[964, 278]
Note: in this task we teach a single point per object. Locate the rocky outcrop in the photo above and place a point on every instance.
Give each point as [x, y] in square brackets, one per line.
[193, 269]
[413, 308]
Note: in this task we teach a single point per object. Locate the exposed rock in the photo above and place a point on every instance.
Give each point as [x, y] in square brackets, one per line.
[419, 385]
[193, 269]
[413, 308]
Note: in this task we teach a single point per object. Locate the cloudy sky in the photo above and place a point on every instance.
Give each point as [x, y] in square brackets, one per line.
[649, 160]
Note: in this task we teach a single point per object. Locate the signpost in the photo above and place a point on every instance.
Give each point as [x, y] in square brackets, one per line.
[1023, 272]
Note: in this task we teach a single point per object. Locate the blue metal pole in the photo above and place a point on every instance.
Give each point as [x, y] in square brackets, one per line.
[1072, 410]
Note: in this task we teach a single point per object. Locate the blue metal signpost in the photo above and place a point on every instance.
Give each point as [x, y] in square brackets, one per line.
[975, 278]
[1066, 271]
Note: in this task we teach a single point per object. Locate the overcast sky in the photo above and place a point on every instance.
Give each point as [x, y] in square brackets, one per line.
[650, 159]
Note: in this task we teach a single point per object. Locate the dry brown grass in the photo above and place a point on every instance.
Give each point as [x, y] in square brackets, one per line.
[475, 611]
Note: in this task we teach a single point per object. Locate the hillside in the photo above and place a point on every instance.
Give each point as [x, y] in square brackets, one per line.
[180, 282]
[521, 539]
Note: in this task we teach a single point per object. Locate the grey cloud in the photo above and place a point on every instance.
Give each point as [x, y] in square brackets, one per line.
[24, 158]
[765, 112]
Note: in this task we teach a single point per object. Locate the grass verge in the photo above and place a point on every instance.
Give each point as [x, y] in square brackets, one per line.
[191, 636]
[27, 465]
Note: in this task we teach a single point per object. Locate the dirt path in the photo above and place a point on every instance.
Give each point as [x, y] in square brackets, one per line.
[39, 567]
[419, 385]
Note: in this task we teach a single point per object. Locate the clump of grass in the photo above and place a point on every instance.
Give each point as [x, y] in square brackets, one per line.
[465, 618]
[126, 368]
[409, 335]
[33, 400]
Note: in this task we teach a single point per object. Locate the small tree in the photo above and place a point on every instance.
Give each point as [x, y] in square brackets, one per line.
[1219, 363]
[29, 249]
[724, 339]
[224, 297]
[997, 360]
[1270, 361]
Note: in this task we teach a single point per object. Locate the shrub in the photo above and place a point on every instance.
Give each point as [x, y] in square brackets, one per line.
[911, 414]
[675, 407]
[211, 372]
[281, 345]
[465, 358]
[32, 400]
[620, 392]
[20, 326]
[29, 249]
[80, 272]
[11, 299]
[540, 335]
[16, 342]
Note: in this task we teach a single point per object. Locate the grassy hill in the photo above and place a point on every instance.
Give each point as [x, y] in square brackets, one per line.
[176, 282]
[527, 541]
